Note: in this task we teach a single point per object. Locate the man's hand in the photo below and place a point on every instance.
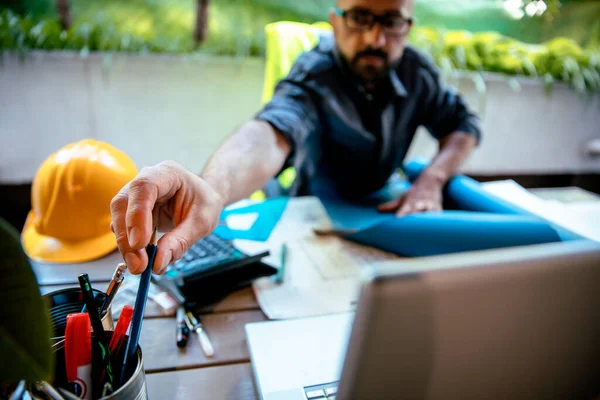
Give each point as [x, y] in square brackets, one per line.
[170, 197]
[422, 196]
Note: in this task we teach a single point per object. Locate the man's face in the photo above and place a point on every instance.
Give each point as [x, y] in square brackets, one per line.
[371, 34]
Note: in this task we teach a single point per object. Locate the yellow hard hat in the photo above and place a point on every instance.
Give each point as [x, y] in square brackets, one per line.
[71, 193]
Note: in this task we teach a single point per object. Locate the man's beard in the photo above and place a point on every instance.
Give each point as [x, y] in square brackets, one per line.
[370, 74]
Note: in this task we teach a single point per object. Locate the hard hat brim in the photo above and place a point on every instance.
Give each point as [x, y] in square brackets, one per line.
[49, 249]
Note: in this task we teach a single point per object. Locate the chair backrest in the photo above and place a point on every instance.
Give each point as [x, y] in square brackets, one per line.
[285, 41]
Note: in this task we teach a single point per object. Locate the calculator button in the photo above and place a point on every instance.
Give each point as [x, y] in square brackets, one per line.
[315, 394]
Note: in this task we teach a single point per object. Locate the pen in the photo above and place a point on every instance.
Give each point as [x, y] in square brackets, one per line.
[281, 272]
[183, 331]
[197, 327]
[107, 390]
[114, 285]
[333, 231]
[18, 393]
[48, 390]
[101, 340]
[140, 305]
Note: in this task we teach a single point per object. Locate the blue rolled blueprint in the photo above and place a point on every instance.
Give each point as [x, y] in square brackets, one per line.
[482, 221]
[466, 194]
[358, 214]
[446, 232]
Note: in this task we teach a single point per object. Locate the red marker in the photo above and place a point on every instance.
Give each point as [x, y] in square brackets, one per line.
[78, 354]
[118, 337]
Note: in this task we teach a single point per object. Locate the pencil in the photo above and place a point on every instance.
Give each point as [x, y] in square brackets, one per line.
[281, 272]
[140, 305]
[113, 287]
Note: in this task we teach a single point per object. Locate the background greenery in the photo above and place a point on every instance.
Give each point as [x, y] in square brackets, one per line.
[476, 35]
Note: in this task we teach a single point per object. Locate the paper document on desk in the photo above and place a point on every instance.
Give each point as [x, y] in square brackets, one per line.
[582, 218]
[322, 274]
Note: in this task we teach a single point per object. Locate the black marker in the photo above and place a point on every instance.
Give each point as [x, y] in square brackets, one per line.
[92, 309]
[183, 332]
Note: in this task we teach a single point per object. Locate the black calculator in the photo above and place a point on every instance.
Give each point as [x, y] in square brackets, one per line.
[209, 256]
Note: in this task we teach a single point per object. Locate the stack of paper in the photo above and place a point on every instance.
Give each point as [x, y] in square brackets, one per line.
[322, 274]
[581, 217]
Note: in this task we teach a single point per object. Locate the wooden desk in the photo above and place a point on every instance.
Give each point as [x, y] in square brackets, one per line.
[172, 373]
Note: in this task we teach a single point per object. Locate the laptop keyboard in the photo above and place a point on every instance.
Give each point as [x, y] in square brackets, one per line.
[321, 392]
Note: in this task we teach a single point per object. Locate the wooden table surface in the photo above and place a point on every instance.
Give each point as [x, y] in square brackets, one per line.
[172, 373]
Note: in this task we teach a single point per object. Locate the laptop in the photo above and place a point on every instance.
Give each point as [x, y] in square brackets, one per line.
[502, 324]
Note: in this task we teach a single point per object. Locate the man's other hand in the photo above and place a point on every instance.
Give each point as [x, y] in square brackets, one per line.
[172, 198]
[421, 197]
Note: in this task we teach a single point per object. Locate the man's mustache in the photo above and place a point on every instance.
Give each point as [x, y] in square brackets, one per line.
[371, 53]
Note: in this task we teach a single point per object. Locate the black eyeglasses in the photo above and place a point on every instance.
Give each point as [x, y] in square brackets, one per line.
[358, 19]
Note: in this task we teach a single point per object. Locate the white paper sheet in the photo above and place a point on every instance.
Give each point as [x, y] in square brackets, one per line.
[582, 218]
[241, 222]
[323, 274]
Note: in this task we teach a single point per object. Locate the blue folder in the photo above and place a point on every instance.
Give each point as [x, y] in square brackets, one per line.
[269, 212]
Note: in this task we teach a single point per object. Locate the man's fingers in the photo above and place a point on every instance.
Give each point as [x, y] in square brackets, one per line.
[136, 260]
[390, 206]
[145, 190]
[416, 206]
[173, 245]
[406, 209]
[436, 206]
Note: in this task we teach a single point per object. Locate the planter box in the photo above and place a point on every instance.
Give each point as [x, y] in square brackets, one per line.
[528, 130]
[158, 107]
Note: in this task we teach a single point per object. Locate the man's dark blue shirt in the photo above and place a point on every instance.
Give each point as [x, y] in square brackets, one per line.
[352, 141]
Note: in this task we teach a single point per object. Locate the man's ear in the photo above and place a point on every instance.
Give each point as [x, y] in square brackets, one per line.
[334, 20]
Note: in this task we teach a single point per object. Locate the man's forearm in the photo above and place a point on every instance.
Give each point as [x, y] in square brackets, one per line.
[454, 150]
[246, 161]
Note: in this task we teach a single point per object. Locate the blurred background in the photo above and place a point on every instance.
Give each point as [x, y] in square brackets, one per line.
[169, 79]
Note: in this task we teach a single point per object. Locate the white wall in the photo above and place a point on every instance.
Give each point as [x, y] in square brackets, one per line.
[170, 107]
[153, 108]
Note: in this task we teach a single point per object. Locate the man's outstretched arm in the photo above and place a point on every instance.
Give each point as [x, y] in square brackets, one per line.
[246, 161]
[188, 206]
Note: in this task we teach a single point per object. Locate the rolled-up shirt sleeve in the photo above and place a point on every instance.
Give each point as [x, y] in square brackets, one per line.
[445, 110]
[293, 112]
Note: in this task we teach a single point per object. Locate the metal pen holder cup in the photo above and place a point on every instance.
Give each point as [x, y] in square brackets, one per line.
[134, 387]
[63, 302]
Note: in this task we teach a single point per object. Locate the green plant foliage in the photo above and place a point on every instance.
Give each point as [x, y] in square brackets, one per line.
[558, 60]
[237, 28]
[25, 328]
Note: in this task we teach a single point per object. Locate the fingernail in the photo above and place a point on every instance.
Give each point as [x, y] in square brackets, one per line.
[131, 261]
[166, 261]
[134, 236]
